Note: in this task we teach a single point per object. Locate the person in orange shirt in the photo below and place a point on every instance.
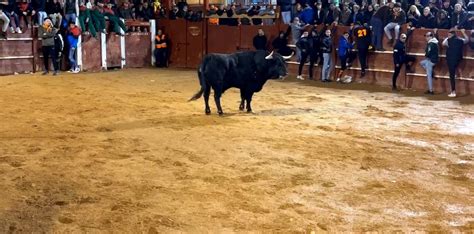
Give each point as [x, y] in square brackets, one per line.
[161, 49]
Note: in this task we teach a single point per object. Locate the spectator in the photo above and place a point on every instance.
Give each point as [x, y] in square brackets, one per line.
[85, 18]
[442, 20]
[433, 7]
[459, 17]
[413, 15]
[72, 38]
[333, 15]
[400, 58]
[5, 20]
[70, 10]
[47, 32]
[363, 35]
[304, 46]
[345, 18]
[356, 16]
[285, 8]
[145, 12]
[431, 58]
[454, 55]
[426, 20]
[254, 10]
[40, 7]
[174, 13]
[397, 18]
[280, 44]
[115, 22]
[260, 40]
[319, 14]
[326, 49]
[26, 10]
[234, 21]
[368, 14]
[448, 8]
[419, 6]
[12, 12]
[307, 15]
[345, 53]
[161, 49]
[125, 12]
[377, 22]
[54, 11]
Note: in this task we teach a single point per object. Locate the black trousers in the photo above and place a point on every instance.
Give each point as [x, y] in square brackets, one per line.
[452, 74]
[348, 58]
[408, 59]
[161, 57]
[48, 51]
[362, 53]
[313, 58]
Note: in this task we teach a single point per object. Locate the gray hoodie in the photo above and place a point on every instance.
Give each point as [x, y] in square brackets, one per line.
[47, 37]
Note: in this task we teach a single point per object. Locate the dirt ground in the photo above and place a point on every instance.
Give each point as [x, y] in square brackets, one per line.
[125, 152]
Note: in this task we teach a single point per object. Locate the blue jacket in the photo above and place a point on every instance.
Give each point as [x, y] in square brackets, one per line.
[72, 40]
[307, 15]
[344, 47]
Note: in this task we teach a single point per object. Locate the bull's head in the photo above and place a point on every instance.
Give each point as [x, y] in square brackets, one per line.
[277, 68]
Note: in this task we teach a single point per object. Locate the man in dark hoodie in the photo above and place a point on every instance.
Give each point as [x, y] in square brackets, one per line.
[400, 57]
[304, 45]
[362, 34]
[378, 21]
[454, 56]
[459, 17]
[431, 58]
[260, 40]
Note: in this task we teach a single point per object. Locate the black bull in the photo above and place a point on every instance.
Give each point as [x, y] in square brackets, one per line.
[247, 71]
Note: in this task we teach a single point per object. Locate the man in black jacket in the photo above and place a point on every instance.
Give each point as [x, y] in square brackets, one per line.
[260, 40]
[400, 57]
[305, 46]
[363, 35]
[431, 58]
[459, 17]
[454, 55]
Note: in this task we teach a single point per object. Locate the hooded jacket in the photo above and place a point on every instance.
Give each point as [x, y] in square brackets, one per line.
[432, 51]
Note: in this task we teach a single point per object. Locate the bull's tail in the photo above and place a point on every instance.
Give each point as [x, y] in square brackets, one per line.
[202, 81]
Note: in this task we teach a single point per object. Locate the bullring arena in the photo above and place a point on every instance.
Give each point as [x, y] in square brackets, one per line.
[124, 151]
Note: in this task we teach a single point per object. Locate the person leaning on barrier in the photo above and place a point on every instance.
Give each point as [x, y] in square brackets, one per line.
[345, 53]
[431, 58]
[454, 55]
[280, 44]
[400, 58]
[260, 40]
[47, 32]
[363, 34]
[161, 49]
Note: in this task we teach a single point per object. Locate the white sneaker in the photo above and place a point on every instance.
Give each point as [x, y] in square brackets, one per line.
[12, 30]
[452, 95]
[18, 30]
[300, 78]
[77, 70]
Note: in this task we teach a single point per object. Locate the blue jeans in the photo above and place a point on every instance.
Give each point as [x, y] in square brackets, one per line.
[377, 26]
[428, 66]
[16, 19]
[286, 16]
[72, 57]
[326, 71]
[41, 16]
[6, 21]
[71, 18]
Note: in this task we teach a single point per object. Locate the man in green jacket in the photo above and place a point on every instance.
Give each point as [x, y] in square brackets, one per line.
[431, 58]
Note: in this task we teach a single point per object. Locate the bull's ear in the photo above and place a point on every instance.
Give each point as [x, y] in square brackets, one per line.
[270, 56]
[288, 57]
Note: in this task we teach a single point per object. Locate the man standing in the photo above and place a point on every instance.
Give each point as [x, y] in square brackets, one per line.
[304, 46]
[362, 35]
[400, 57]
[431, 58]
[260, 40]
[454, 55]
[326, 49]
[161, 49]
[378, 21]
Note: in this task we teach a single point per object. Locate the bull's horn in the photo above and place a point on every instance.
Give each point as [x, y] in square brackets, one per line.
[288, 57]
[270, 56]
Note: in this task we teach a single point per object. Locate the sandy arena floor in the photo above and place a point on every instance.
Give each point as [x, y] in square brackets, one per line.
[125, 151]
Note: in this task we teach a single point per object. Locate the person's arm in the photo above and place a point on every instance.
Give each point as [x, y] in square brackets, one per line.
[445, 42]
[466, 37]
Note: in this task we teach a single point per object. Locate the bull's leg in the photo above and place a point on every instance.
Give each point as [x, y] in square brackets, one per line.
[217, 98]
[249, 100]
[242, 100]
[207, 93]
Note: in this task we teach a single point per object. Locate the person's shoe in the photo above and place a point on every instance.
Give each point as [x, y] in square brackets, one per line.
[77, 70]
[362, 74]
[395, 89]
[429, 92]
[12, 30]
[311, 78]
[55, 73]
[18, 30]
[452, 94]
[45, 73]
[300, 77]
[390, 41]
[338, 80]
[3, 35]
[328, 81]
